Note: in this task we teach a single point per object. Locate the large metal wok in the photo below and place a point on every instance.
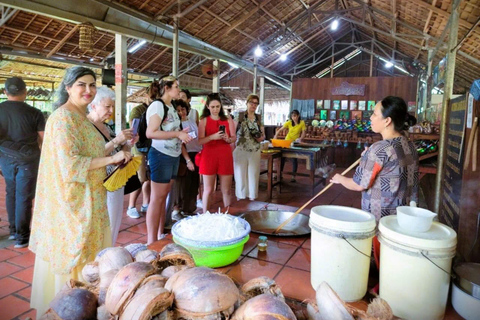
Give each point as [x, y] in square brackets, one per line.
[266, 221]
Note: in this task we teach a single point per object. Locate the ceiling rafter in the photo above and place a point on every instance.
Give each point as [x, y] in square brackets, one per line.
[63, 41]
[238, 22]
[441, 12]
[149, 63]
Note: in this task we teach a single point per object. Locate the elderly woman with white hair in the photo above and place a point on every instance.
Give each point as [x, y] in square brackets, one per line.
[100, 110]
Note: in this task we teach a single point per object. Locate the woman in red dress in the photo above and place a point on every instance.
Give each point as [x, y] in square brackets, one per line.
[216, 132]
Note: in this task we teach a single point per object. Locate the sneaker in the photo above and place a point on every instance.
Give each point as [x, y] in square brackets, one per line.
[162, 236]
[11, 237]
[176, 215]
[144, 208]
[20, 245]
[199, 203]
[133, 213]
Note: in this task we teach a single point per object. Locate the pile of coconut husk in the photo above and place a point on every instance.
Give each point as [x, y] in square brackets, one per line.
[329, 306]
[134, 283]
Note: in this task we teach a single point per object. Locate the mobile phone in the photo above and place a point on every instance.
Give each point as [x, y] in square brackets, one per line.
[135, 123]
[192, 134]
[221, 128]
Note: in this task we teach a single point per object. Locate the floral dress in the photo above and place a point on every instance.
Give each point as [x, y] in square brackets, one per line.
[70, 215]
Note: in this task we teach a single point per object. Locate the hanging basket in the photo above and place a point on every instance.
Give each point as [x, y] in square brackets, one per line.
[87, 35]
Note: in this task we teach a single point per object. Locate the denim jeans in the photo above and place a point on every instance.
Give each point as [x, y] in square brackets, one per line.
[21, 179]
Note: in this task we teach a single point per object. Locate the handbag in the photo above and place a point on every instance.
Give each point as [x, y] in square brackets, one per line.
[198, 159]
[133, 184]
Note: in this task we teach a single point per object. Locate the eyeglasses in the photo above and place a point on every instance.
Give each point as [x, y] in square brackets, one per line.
[255, 103]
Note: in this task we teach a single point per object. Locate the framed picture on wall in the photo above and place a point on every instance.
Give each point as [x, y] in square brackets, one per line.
[361, 105]
[353, 105]
[332, 115]
[344, 104]
[326, 104]
[412, 106]
[323, 114]
[366, 114]
[357, 115]
[336, 104]
[319, 104]
[344, 115]
[371, 105]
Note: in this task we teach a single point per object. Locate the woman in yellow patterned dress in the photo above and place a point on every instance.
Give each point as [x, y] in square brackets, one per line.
[70, 220]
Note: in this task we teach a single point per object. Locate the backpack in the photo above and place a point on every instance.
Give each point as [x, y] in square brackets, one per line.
[144, 142]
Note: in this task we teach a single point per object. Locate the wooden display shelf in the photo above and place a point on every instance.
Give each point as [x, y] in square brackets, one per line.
[423, 136]
[428, 155]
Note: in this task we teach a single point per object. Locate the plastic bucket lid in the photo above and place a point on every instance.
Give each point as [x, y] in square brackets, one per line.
[438, 237]
[342, 220]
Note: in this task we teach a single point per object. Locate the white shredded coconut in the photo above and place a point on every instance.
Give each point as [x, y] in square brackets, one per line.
[211, 227]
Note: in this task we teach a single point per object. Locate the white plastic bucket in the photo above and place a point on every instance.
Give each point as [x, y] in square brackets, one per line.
[415, 269]
[341, 249]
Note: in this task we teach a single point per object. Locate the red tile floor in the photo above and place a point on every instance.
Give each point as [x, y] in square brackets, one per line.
[287, 259]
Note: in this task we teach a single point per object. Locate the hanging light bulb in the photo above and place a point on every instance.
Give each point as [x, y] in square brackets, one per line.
[258, 51]
[388, 64]
[334, 25]
[283, 57]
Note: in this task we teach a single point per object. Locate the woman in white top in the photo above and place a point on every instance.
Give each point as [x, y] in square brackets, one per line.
[163, 157]
[101, 109]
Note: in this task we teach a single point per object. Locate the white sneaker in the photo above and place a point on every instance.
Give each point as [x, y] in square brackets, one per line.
[144, 209]
[133, 213]
[176, 215]
[199, 203]
[11, 237]
[162, 236]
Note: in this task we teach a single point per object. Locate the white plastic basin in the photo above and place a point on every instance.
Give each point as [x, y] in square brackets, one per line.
[415, 219]
[465, 305]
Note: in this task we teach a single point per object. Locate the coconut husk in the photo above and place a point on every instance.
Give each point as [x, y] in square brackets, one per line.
[261, 285]
[170, 271]
[102, 288]
[91, 273]
[147, 303]
[202, 291]
[147, 256]
[330, 306]
[380, 309]
[264, 306]
[103, 314]
[75, 304]
[124, 284]
[114, 258]
[135, 248]
[174, 255]
[187, 315]
[152, 282]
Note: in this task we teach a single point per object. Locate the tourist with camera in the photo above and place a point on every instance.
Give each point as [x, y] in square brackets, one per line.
[246, 156]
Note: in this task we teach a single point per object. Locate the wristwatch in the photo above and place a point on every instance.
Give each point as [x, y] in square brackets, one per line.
[188, 161]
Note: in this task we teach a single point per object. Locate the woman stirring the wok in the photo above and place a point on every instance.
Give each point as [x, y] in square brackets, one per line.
[388, 172]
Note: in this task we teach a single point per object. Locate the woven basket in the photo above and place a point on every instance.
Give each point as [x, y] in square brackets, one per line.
[87, 35]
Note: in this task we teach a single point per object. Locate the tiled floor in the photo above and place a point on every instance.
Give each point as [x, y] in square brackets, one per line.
[287, 260]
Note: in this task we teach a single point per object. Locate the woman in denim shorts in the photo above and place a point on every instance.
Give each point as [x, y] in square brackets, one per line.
[163, 157]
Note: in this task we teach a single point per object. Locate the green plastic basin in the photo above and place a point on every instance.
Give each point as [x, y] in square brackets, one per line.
[216, 256]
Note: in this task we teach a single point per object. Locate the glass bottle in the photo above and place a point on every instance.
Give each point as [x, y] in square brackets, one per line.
[262, 243]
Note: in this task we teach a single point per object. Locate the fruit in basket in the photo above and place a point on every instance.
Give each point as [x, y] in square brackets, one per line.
[264, 306]
[202, 293]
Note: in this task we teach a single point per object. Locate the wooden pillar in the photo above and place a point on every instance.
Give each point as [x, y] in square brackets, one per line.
[371, 60]
[333, 60]
[120, 82]
[429, 84]
[447, 94]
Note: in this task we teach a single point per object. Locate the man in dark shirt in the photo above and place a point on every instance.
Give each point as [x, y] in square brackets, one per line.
[21, 134]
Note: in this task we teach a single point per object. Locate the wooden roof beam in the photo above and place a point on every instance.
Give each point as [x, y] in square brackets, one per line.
[154, 59]
[189, 9]
[143, 4]
[237, 23]
[167, 7]
[426, 5]
[63, 41]
[426, 28]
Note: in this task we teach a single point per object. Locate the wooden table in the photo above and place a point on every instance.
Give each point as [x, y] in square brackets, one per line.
[314, 156]
[270, 157]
